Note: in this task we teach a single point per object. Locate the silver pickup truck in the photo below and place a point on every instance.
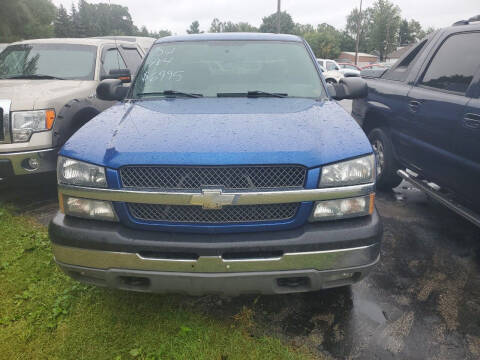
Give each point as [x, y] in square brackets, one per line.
[47, 92]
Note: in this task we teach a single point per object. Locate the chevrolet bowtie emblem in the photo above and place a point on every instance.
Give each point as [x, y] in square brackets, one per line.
[212, 199]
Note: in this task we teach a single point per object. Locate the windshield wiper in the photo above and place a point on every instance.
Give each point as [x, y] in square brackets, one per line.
[33, 76]
[172, 93]
[253, 93]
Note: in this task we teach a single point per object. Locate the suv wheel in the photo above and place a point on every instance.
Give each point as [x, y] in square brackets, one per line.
[387, 165]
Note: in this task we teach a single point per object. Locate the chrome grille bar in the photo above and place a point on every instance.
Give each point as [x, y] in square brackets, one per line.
[224, 198]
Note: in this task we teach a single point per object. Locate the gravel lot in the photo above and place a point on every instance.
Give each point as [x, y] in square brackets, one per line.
[421, 302]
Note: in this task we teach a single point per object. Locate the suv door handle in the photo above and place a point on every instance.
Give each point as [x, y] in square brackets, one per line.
[413, 105]
[471, 121]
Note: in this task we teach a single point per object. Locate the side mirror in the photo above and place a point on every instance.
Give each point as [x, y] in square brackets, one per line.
[111, 90]
[348, 88]
[123, 75]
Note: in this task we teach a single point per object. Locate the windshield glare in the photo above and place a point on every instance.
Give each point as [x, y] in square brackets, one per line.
[228, 67]
[72, 62]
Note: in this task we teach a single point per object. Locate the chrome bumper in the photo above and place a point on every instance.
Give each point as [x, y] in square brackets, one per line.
[315, 260]
[292, 272]
[47, 161]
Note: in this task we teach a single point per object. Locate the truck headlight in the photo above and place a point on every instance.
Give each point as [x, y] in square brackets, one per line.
[25, 123]
[350, 172]
[74, 172]
[343, 208]
[87, 208]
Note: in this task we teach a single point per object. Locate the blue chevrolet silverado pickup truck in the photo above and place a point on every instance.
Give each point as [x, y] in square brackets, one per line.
[424, 114]
[227, 167]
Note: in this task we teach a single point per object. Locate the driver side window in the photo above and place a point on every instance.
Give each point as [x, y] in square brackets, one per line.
[112, 60]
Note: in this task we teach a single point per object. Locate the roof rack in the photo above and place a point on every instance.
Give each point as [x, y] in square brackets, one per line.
[469, 21]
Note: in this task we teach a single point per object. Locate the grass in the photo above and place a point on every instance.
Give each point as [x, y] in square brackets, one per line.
[46, 315]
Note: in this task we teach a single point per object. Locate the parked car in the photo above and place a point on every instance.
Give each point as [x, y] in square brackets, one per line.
[144, 41]
[424, 114]
[47, 92]
[374, 67]
[349, 70]
[226, 168]
[332, 76]
[329, 65]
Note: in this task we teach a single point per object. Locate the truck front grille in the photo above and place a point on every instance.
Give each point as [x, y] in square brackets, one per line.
[228, 214]
[226, 177]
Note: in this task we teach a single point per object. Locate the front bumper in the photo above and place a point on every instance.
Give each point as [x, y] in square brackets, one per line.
[311, 257]
[16, 163]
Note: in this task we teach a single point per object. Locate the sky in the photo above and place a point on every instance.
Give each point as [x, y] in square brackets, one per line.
[177, 15]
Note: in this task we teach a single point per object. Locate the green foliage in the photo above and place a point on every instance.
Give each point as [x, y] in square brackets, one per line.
[269, 24]
[27, 19]
[381, 29]
[46, 315]
[327, 42]
[385, 26]
[24, 19]
[63, 23]
[194, 28]
[361, 22]
[218, 26]
[302, 29]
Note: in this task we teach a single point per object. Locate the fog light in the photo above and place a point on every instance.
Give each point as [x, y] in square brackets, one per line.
[33, 163]
[89, 209]
[343, 208]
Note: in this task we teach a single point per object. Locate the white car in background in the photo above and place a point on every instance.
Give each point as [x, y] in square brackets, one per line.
[332, 76]
[349, 70]
[332, 65]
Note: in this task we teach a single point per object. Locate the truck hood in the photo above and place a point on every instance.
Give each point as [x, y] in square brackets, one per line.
[221, 131]
[38, 94]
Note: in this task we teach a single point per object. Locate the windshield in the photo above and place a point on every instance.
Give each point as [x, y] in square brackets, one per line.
[224, 68]
[72, 62]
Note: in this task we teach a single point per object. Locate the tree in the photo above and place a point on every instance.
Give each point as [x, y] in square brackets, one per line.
[62, 23]
[425, 32]
[24, 19]
[325, 41]
[403, 34]
[347, 43]
[269, 23]
[410, 32]
[194, 28]
[301, 29]
[384, 27]
[246, 27]
[218, 26]
[365, 20]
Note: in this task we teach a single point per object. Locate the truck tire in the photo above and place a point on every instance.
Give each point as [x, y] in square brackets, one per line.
[387, 165]
[72, 117]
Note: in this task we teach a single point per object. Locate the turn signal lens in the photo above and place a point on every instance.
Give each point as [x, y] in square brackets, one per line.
[49, 119]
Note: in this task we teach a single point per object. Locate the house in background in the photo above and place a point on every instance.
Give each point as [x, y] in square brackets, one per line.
[363, 58]
[397, 54]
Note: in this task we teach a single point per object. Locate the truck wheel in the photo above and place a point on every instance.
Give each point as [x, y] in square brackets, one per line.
[387, 165]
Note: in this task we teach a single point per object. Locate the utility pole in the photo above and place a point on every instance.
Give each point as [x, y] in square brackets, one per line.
[357, 41]
[278, 15]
